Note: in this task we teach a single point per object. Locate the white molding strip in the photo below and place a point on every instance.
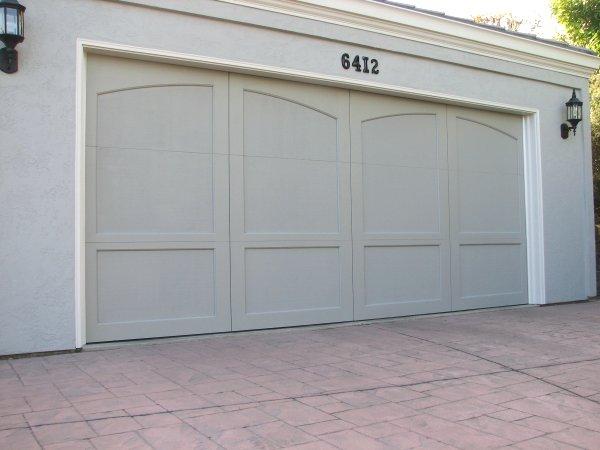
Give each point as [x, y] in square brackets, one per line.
[80, 84]
[531, 143]
[534, 209]
[417, 26]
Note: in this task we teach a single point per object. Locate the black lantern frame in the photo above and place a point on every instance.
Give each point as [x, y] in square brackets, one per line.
[12, 33]
[574, 116]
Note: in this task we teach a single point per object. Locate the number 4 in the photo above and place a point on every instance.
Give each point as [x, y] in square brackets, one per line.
[356, 64]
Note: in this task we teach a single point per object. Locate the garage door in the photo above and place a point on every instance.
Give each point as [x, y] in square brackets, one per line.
[219, 202]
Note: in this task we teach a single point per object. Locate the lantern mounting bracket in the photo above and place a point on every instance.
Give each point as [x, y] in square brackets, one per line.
[564, 130]
[9, 60]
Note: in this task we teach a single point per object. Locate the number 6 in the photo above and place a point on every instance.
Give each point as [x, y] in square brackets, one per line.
[346, 61]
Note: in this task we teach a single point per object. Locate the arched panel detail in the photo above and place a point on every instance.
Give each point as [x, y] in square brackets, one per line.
[163, 117]
[484, 148]
[279, 127]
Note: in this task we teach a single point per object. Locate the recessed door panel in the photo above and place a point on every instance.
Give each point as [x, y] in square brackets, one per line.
[171, 284]
[153, 192]
[276, 279]
[403, 275]
[401, 199]
[291, 196]
[157, 200]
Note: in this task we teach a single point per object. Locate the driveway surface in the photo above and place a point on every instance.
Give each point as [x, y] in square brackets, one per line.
[519, 378]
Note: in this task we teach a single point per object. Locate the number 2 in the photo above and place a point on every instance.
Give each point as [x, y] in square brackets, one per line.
[375, 68]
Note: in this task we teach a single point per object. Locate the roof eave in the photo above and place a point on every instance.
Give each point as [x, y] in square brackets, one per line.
[416, 25]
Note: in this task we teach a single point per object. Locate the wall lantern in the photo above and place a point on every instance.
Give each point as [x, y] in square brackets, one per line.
[574, 116]
[12, 32]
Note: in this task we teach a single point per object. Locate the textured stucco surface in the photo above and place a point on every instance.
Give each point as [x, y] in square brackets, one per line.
[37, 135]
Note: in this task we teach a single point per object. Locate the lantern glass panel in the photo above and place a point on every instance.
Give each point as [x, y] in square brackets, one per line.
[22, 23]
[574, 112]
[2, 21]
[12, 21]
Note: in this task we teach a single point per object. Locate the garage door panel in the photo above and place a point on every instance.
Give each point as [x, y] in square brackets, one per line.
[489, 202]
[157, 200]
[290, 204]
[489, 265]
[176, 118]
[140, 285]
[136, 290]
[491, 275]
[421, 268]
[148, 191]
[289, 196]
[275, 279]
[399, 207]
[490, 269]
[287, 284]
[402, 199]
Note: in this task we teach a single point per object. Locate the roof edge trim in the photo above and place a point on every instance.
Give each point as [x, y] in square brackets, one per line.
[415, 25]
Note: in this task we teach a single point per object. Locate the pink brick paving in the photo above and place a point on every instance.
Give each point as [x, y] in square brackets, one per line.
[520, 378]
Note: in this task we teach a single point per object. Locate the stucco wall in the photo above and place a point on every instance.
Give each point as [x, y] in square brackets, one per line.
[37, 135]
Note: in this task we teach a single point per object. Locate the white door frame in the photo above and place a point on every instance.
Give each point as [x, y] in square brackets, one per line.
[531, 144]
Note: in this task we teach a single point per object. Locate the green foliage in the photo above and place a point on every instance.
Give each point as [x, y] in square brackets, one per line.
[581, 19]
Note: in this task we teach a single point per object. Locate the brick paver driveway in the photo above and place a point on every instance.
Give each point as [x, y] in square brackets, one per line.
[526, 378]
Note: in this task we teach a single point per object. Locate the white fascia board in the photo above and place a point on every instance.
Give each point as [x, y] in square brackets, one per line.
[414, 25]
[432, 29]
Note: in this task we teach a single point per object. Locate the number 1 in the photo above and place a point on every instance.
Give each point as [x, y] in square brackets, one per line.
[366, 64]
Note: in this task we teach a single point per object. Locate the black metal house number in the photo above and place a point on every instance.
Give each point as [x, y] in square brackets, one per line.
[362, 64]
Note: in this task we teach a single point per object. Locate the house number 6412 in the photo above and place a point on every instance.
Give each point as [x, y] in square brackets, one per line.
[362, 64]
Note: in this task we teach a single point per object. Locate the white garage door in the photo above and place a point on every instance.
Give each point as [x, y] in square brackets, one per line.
[312, 204]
